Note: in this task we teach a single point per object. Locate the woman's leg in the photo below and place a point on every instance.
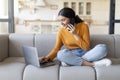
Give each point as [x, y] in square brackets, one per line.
[69, 58]
[98, 52]
[95, 55]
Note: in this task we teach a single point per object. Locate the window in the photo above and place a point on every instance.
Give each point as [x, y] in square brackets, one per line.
[84, 8]
[65, 4]
[114, 23]
[88, 8]
[6, 16]
[81, 8]
[3, 27]
[73, 5]
[117, 28]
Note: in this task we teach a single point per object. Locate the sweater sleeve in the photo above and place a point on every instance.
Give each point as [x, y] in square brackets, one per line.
[84, 41]
[57, 46]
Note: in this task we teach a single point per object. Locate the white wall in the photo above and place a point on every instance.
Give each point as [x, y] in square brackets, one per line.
[100, 11]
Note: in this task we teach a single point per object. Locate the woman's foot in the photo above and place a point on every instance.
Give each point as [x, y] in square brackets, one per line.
[87, 63]
[103, 62]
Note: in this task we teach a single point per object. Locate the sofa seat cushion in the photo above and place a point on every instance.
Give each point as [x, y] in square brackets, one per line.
[35, 73]
[109, 73]
[77, 73]
[12, 68]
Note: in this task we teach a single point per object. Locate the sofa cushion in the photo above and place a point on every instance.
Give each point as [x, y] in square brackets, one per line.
[104, 39]
[47, 73]
[12, 68]
[108, 73]
[44, 43]
[117, 46]
[16, 41]
[3, 46]
[77, 73]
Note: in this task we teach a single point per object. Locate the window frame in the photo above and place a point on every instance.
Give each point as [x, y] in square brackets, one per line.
[112, 17]
[10, 18]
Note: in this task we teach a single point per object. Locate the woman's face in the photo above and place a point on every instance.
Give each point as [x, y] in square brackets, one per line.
[64, 21]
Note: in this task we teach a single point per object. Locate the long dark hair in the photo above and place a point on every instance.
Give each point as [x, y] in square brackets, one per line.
[69, 13]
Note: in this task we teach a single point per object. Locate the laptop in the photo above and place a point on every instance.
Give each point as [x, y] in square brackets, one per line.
[31, 57]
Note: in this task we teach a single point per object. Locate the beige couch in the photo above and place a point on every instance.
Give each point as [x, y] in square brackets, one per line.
[13, 67]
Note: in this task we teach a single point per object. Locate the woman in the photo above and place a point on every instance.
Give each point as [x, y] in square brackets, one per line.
[74, 35]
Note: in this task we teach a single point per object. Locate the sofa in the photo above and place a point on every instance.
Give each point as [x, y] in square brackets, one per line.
[13, 67]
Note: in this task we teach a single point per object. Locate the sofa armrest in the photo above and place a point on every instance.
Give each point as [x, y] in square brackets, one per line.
[3, 46]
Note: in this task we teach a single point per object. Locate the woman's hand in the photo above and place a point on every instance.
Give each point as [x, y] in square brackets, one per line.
[44, 60]
[71, 28]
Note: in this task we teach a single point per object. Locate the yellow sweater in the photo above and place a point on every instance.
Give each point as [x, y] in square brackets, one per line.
[67, 39]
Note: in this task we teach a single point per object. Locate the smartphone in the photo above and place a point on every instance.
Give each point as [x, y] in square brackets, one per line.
[72, 21]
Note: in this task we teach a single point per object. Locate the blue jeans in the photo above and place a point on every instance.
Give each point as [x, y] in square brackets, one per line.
[76, 56]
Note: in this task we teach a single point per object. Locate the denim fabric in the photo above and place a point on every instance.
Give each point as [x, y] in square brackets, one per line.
[98, 52]
[76, 56]
[68, 57]
[78, 52]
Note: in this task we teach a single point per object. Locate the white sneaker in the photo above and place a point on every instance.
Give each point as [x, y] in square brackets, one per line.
[64, 64]
[103, 62]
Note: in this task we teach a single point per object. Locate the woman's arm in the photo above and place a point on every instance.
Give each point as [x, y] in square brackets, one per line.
[57, 47]
[83, 37]
[81, 34]
[54, 51]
